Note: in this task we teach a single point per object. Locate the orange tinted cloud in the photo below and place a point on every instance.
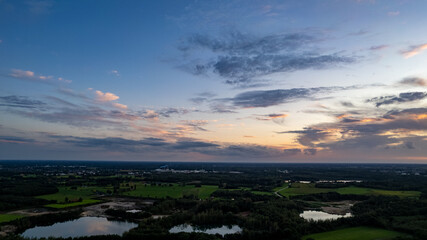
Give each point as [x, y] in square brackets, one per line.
[28, 75]
[272, 116]
[121, 106]
[105, 97]
[414, 50]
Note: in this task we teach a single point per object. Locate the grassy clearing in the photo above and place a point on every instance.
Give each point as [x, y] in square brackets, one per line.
[254, 191]
[285, 185]
[9, 217]
[85, 193]
[261, 193]
[249, 189]
[309, 188]
[355, 233]
[206, 190]
[372, 191]
[170, 190]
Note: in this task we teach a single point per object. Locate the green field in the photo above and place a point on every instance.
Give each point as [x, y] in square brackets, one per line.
[86, 193]
[355, 233]
[9, 217]
[249, 189]
[309, 188]
[261, 192]
[173, 191]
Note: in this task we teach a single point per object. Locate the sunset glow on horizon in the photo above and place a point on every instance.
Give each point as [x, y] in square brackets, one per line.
[226, 81]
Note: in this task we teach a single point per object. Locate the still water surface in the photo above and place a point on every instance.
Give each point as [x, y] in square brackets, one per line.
[84, 226]
[319, 215]
[218, 230]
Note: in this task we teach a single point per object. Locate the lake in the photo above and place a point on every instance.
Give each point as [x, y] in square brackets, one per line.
[218, 230]
[84, 226]
[319, 215]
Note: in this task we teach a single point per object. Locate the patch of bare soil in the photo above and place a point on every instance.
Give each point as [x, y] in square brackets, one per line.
[341, 207]
[6, 230]
[31, 212]
[98, 210]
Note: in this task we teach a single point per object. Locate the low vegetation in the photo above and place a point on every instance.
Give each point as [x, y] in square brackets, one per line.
[385, 203]
[9, 217]
[74, 196]
[356, 233]
[171, 190]
[309, 188]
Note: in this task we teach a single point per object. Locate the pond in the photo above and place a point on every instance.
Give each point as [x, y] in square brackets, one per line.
[84, 226]
[223, 230]
[319, 215]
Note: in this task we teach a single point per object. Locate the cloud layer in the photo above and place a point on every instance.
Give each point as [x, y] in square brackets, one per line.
[389, 130]
[243, 60]
[402, 98]
[414, 50]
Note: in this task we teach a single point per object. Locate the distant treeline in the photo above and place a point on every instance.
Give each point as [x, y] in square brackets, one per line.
[17, 192]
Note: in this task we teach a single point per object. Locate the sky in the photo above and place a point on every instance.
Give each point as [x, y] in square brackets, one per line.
[214, 81]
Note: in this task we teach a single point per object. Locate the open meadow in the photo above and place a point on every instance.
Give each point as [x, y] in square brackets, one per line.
[70, 197]
[355, 233]
[170, 190]
[309, 188]
[9, 217]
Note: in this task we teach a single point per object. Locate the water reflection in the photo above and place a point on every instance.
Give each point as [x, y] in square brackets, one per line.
[218, 230]
[85, 226]
[319, 215]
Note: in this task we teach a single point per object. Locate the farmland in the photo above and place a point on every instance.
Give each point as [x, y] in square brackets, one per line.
[160, 200]
[309, 188]
[9, 217]
[170, 190]
[75, 196]
[355, 233]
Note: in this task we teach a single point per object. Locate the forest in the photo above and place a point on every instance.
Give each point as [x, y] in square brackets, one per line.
[264, 201]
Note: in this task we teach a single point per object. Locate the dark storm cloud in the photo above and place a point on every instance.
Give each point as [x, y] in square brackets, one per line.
[378, 47]
[310, 151]
[403, 97]
[365, 133]
[308, 135]
[360, 142]
[243, 151]
[202, 97]
[61, 101]
[164, 112]
[198, 100]
[240, 70]
[146, 144]
[269, 97]
[266, 98]
[113, 142]
[12, 139]
[414, 81]
[81, 117]
[167, 112]
[236, 43]
[242, 59]
[393, 113]
[20, 102]
[193, 144]
[292, 151]
[409, 145]
[71, 93]
[347, 104]
[197, 125]
[158, 145]
[219, 107]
